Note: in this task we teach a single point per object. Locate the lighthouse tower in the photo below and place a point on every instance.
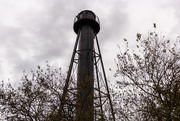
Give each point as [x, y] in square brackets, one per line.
[90, 92]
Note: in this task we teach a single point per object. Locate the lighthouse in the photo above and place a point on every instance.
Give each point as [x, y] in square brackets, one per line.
[87, 26]
[90, 93]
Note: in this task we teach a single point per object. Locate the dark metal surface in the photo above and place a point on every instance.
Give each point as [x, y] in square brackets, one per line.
[86, 17]
[85, 76]
[90, 97]
[105, 79]
[65, 89]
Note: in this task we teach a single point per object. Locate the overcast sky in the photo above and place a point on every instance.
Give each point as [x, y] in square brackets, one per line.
[35, 31]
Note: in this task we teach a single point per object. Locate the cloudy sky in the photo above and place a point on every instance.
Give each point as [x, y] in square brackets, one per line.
[35, 31]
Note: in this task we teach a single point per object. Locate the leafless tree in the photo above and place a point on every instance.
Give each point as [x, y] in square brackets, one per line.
[35, 99]
[149, 80]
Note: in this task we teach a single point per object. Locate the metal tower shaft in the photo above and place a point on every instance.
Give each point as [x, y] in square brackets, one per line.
[88, 96]
[85, 75]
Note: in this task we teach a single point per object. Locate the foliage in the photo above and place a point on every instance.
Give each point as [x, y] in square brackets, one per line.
[149, 80]
[148, 88]
[36, 99]
[39, 98]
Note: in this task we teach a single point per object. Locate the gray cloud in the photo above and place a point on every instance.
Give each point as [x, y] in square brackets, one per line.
[45, 33]
[115, 22]
[33, 32]
[176, 6]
